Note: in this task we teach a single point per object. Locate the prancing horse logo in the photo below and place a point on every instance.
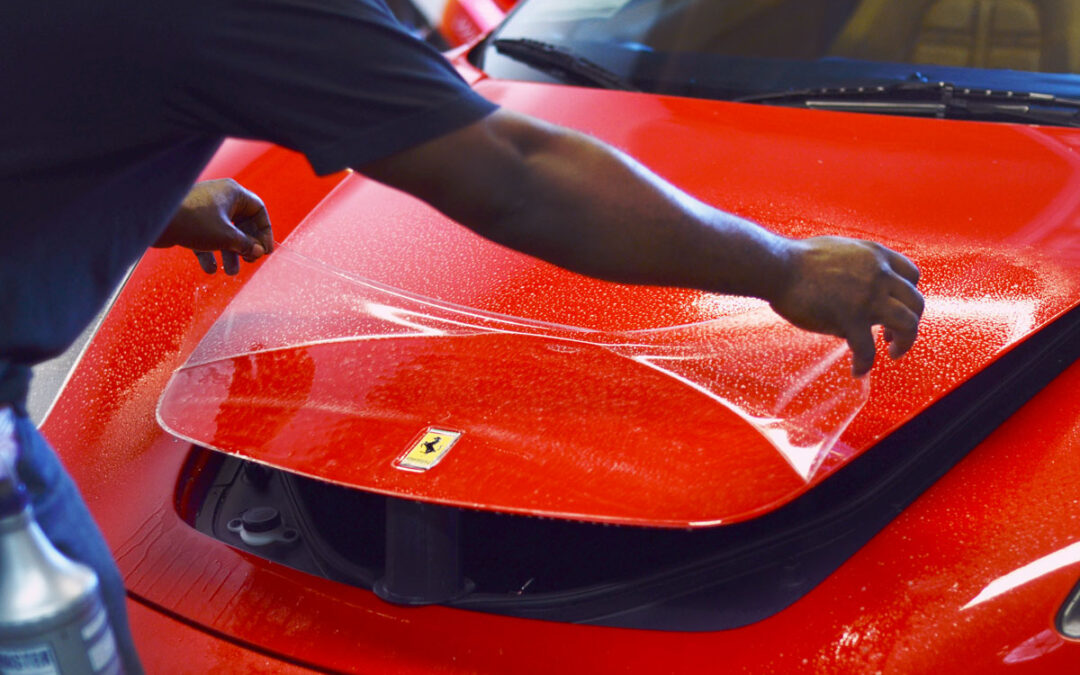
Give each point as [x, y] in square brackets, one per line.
[428, 449]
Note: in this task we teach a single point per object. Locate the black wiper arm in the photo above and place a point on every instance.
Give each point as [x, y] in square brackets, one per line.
[939, 99]
[561, 62]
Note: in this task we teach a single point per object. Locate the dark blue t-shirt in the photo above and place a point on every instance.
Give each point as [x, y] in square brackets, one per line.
[111, 108]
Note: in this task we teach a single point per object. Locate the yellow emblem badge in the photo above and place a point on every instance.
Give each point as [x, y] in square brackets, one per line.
[429, 449]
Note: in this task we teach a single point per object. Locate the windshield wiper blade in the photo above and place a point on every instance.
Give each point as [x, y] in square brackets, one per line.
[561, 62]
[938, 99]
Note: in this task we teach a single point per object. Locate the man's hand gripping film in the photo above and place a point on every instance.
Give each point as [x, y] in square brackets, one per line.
[844, 287]
[220, 215]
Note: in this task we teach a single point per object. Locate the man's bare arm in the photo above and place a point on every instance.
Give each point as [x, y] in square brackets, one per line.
[576, 202]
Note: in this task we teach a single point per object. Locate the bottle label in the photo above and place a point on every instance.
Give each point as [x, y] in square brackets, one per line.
[33, 660]
[101, 645]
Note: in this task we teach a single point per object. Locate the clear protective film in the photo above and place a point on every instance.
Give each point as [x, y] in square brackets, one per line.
[792, 386]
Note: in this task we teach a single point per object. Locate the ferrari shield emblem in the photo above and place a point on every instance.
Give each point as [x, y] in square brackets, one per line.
[429, 449]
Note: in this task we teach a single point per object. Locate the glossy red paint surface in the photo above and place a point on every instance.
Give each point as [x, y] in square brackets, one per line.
[966, 580]
[183, 650]
[315, 372]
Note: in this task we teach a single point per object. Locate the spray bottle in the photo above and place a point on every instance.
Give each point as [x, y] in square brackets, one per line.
[52, 620]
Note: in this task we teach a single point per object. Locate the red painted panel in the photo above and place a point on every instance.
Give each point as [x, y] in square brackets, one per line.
[575, 432]
[179, 649]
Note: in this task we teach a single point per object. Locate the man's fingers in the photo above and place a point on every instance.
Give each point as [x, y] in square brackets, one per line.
[253, 247]
[265, 237]
[249, 214]
[237, 242]
[861, 341]
[902, 266]
[901, 323]
[206, 261]
[905, 292]
[234, 245]
[245, 204]
[259, 232]
[230, 262]
[259, 227]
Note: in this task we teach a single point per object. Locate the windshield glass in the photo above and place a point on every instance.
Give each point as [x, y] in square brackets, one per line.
[728, 49]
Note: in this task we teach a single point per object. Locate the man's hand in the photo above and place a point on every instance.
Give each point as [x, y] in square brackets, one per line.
[844, 287]
[220, 215]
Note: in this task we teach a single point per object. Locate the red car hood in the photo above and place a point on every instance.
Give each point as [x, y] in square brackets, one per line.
[381, 330]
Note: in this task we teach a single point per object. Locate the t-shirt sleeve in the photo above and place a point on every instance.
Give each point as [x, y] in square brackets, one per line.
[338, 80]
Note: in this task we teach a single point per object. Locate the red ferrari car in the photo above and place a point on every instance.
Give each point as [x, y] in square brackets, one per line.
[395, 447]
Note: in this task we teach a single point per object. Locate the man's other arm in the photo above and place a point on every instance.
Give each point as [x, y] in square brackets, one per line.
[580, 204]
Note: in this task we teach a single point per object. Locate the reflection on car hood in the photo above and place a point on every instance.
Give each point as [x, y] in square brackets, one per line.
[379, 321]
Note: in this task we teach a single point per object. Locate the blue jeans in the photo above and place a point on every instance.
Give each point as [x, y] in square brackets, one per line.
[65, 520]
